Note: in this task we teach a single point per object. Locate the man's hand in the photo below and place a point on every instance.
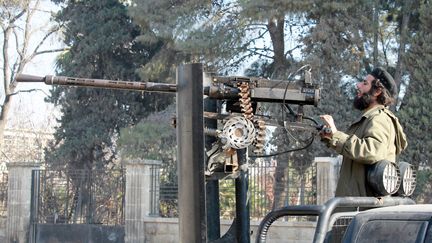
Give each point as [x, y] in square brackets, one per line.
[328, 123]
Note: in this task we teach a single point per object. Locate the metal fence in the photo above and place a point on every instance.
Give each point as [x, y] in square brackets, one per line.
[97, 197]
[274, 187]
[3, 193]
[78, 196]
[270, 187]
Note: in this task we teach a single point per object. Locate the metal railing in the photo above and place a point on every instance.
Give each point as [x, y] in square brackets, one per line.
[3, 193]
[97, 197]
[78, 196]
[270, 187]
[273, 187]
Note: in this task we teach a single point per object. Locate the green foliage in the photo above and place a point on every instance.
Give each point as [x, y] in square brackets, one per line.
[154, 138]
[423, 191]
[416, 110]
[222, 34]
[194, 31]
[227, 198]
[101, 39]
[259, 204]
[148, 139]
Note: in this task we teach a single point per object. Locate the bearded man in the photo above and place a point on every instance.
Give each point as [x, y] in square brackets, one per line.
[376, 135]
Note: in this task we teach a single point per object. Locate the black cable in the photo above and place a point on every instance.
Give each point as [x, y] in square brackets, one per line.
[286, 105]
[284, 99]
[286, 151]
[311, 119]
[304, 117]
[290, 109]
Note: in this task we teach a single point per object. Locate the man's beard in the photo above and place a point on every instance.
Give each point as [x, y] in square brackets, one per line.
[363, 102]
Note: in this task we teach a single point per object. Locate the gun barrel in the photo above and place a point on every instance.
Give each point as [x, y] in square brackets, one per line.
[99, 83]
[29, 78]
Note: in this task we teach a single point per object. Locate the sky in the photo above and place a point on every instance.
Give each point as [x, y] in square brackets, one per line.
[29, 110]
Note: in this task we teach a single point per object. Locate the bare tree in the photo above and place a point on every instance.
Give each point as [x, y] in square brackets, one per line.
[21, 43]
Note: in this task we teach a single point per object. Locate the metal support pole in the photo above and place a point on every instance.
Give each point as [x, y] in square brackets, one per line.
[190, 140]
[212, 186]
[213, 210]
[242, 201]
[34, 206]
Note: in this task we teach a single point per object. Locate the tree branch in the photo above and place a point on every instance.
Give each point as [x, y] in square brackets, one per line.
[6, 156]
[256, 51]
[19, 51]
[289, 52]
[25, 91]
[51, 51]
[19, 58]
[12, 20]
[52, 31]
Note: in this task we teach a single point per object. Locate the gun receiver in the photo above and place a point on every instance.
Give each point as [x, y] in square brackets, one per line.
[301, 92]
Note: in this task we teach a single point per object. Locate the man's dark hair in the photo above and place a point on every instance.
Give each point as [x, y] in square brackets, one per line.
[385, 98]
[386, 80]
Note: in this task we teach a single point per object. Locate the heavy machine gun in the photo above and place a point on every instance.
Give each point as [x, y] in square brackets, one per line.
[241, 128]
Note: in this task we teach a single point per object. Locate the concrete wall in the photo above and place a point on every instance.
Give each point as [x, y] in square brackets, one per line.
[327, 176]
[78, 233]
[19, 201]
[138, 201]
[158, 230]
[165, 230]
[3, 229]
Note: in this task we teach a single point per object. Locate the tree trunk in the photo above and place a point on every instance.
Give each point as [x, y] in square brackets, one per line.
[276, 30]
[302, 188]
[281, 186]
[3, 115]
[6, 78]
[402, 43]
[276, 26]
[375, 33]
